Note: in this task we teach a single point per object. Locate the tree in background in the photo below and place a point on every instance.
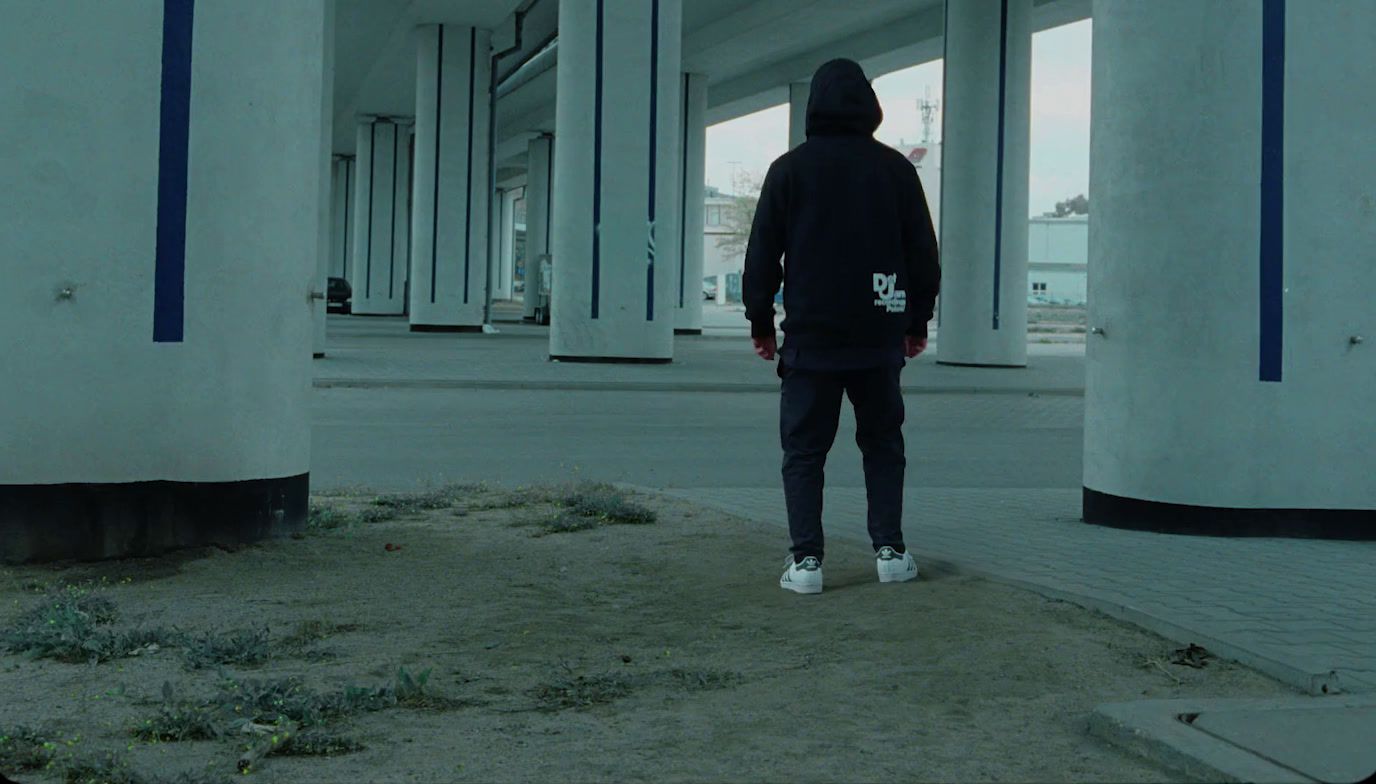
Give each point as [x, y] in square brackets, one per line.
[1077, 205]
[738, 216]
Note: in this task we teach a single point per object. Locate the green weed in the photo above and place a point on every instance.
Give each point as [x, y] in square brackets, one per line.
[24, 748]
[247, 648]
[72, 625]
[326, 518]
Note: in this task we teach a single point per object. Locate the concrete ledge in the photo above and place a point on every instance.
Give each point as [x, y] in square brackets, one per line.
[1164, 732]
[614, 360]
[979, 365]
[644, 386]
[467, 328]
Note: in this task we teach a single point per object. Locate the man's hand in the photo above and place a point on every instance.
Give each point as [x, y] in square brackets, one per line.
[913, 346]
[766, 348]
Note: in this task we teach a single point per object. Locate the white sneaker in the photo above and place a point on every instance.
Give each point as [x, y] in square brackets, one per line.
[805, 577]
[895, 567]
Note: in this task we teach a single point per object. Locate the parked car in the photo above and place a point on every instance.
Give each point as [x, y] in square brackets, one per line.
[709, 288]
[339, 297]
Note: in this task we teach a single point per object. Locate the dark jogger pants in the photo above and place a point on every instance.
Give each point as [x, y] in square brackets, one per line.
[809, 415]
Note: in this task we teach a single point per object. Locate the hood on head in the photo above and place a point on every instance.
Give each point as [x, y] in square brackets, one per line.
[842, 101]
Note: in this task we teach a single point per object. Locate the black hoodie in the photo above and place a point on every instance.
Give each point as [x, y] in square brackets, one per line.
[848, 217]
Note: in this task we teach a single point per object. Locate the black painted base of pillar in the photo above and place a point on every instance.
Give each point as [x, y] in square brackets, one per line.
[978, 365]
[612, 360]
[687, 332]
[1119, 512]
[446, 328]
[95, 521]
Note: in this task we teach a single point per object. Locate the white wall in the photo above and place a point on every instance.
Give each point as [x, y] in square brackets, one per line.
[85, 393]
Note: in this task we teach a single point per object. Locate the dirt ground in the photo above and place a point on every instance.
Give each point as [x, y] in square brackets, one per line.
[660, 652]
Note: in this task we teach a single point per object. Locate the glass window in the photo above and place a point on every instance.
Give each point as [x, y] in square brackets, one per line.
[714, 215]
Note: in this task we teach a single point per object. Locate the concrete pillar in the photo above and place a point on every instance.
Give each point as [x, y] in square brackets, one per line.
[984, 211]
[1229, 391]
[342, 209]
[381, 222]
[798, 94]
[692, 182]
[506, 237]
[615, 180]
[325, 175]
[449, 264]
[539, 177]
[501, 274]
[159, 234]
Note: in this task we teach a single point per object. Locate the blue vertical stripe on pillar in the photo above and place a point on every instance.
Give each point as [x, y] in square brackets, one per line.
[174, 139]
[683, 228]
[654, 129]
[998, 186]
[435, 202]
[597, 171]
[372, 188]
[392, 255]
[468, 194]
[1272, 189]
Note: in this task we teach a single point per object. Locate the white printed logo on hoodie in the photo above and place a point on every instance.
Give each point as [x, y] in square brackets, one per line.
[888, 295]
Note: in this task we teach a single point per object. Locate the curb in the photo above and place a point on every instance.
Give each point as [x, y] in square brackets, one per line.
[1161, 731]
[652, 386]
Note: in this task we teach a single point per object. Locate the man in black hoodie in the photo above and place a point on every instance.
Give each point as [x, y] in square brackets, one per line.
[848, 218]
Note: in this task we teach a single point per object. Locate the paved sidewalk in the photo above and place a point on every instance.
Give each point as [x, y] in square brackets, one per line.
[1303, 611]
[382, 352]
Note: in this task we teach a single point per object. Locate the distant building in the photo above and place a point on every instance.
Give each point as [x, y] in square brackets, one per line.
[1057, 256]
[717, 264]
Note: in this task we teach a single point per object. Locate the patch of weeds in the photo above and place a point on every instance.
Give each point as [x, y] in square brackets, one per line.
[445, 497]
[246, 704]
[24, 748]
[72, 625]
[247, 648]
[318, 743]
[110, 769]
[326, 518]
[113, 769]
[607, 504]
[582, 691]
[518, 498]
[563, 524]
[411, 503]
[379, 514]
[590, 505]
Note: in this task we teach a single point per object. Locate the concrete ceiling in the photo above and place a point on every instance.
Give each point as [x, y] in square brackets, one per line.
[749, 49]
[375, 52]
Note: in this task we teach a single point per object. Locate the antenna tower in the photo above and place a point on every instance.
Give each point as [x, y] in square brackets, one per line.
[927, 107]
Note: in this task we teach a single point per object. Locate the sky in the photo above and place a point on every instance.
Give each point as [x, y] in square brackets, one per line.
[1060, 120]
